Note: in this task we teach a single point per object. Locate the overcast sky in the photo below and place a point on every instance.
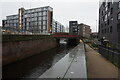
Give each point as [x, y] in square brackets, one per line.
[84, 11]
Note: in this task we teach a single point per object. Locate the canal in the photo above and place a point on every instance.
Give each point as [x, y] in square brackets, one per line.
[36, 65]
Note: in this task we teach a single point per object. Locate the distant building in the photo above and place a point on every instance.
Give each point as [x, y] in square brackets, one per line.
[73, 27]
[57, 27]
[109, 22]
[94, 35]
[36, 20]
[84, 30]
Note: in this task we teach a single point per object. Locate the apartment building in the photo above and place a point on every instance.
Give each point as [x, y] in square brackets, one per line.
[73, 27]
[35, 20]
[109, 21]
[57, 27]
[84, 30]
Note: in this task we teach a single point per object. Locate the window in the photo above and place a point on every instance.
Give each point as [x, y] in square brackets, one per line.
[108, 21]
[44, 27]
[108, 5]
[111, 19]
[44, 23]
[118, 16]
[35, 23]
[106, 8]
[119, 4]
[112, 1]
[118, 27]
[40, 13]
[107, 30]
[35, 19]
[102, 12]
[44, 13]
[106, 17]
[111, 10]
[108, 13]
[103, 18]
[44, 17]
[39, 23]
[110, 29]
[40, 18]
[35, 14]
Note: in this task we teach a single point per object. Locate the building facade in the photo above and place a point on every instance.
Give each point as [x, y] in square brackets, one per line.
[36, 20]
[109, 22]
[84, 30]
[57, 27]
[73, 27]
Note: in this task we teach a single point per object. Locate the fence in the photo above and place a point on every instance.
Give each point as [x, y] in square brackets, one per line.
[110, 54]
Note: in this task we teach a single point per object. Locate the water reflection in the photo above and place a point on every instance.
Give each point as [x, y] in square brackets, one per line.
[34, 66]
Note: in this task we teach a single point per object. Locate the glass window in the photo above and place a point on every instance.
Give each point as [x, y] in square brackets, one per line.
[32, 10]
[32, 15]
[44, 17]
[118, 27]
[111, 10]
[108, 13]
[35, 19]
[44, 22]
[44, 27]
[45, 13]
[27, 23]
[35, 14]
[40, 13]
[35, 23]
[40, 9]
[45, 8]
[40, 18]
[39, 23]
[111, 19]
[106, 8]
[110, 29]
[106, 17]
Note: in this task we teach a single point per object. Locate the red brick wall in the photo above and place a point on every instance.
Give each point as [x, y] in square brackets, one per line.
[13, 51]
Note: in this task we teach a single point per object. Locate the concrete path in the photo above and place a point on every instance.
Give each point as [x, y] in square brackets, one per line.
[73, 65]
[98, 66]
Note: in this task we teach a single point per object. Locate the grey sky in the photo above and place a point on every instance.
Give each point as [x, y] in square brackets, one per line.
[84, 11]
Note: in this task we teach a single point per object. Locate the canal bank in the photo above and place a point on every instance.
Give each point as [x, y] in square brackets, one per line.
[18, 47]
[34, 66]
[72, 66]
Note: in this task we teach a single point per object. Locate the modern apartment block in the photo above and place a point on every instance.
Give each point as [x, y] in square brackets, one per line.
[109, 21]
[73, 27]
[57, 27]
[84, 30]
[36, 20]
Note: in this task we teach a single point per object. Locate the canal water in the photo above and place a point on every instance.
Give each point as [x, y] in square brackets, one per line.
[36, 65]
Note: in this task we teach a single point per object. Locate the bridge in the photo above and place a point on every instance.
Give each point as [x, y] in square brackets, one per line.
[65, 35]
[71, 39]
